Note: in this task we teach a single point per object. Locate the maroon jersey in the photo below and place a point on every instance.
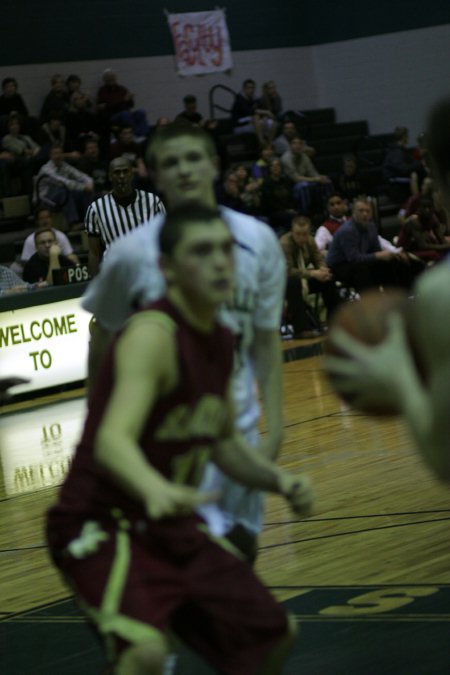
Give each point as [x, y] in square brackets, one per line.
[178, 433]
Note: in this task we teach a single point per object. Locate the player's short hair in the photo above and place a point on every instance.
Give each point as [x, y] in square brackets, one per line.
[177, 220]
[174, 131]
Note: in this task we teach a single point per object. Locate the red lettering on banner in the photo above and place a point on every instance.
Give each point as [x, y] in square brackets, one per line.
[195, 44]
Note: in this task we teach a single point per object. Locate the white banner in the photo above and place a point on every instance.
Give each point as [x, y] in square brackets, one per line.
[202, 43]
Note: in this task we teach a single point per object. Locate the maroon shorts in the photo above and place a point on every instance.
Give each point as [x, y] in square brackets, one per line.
[131, 583]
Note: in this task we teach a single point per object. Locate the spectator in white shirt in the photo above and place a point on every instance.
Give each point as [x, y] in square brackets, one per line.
[43, 219]
[60, 184]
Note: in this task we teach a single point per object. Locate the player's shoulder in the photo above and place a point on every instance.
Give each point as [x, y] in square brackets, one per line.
[150, 330]
[155, 317]
[249, 231]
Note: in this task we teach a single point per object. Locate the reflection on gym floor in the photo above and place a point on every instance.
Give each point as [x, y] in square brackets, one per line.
[36, 446]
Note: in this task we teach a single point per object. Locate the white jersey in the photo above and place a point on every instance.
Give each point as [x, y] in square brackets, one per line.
[130, 278]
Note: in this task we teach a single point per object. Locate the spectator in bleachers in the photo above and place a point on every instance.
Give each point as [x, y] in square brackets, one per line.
[73, 84]
[10, 100]
[229, 194]
[43, 219]
[248, 117]
[423, 234]
[190, 114]
[127, 146]
[25, 154]
[277, 198]
[260, 169]
[271, 101]
[356, 258]
[399, 165]
[61, 184]
[116, 103]
[337, 214]
[10, 282]
[81, 121]
[47, 258]
[310, 186]
[411, 206]
[282, 143]
[306, 273]
[54, 132]
[350, 182]
[57, 100]
[249, 189]
[93, 164]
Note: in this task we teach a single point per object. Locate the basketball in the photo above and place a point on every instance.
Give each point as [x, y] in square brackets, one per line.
[367, 321]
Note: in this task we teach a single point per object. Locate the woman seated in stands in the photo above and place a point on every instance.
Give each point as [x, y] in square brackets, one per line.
[229, 194]
[249, 189]
[271, 100]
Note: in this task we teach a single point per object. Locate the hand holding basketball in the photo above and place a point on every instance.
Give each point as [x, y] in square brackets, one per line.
[368, 352]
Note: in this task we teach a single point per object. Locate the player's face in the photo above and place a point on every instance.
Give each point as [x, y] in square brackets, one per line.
[202, 264]
[185, 172]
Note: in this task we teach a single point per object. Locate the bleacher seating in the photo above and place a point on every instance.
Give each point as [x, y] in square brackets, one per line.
[331, 139]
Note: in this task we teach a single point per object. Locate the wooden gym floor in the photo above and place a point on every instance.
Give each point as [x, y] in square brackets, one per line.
[368, 576]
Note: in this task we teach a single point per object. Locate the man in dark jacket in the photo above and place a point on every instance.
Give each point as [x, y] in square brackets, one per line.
[355, 256]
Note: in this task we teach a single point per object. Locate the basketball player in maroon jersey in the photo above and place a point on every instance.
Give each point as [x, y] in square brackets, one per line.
[124, 531]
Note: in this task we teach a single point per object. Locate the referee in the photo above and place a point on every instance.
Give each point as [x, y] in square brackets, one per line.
[118, 212]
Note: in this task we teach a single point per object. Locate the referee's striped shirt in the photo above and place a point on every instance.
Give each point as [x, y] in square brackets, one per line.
[107, 219]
